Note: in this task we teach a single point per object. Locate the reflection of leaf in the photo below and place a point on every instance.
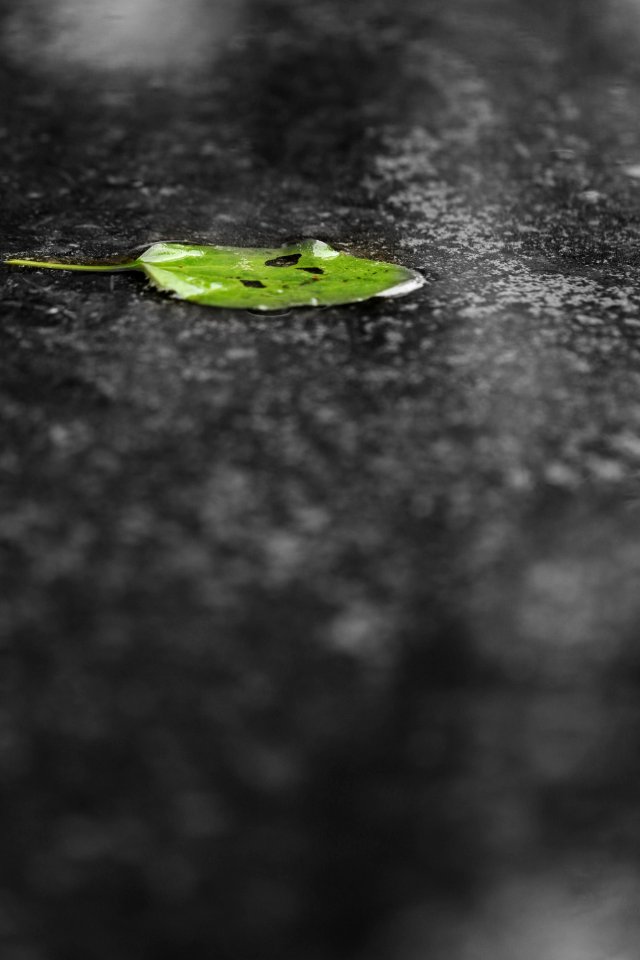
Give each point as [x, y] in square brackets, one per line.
[306, 274]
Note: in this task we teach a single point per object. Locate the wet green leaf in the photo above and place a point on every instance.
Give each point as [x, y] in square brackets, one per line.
[310, 273]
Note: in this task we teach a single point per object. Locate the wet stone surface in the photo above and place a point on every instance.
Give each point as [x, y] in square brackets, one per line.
[320, 632]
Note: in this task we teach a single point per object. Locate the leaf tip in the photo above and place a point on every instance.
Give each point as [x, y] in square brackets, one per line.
[413, 282]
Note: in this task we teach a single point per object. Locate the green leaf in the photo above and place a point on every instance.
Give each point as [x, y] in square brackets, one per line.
[310, 273]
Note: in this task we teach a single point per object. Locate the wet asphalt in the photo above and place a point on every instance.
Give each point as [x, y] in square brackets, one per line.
[320, 632]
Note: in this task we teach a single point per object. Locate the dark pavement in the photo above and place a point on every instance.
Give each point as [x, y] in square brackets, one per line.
[320, 633]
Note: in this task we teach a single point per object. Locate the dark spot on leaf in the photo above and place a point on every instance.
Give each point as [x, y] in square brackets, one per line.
[312, 269]
[253, 283]
[289, 260]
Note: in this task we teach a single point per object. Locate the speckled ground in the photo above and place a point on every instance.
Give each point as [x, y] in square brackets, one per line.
[319, 633]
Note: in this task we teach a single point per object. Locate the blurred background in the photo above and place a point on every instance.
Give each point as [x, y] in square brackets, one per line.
[319, 632]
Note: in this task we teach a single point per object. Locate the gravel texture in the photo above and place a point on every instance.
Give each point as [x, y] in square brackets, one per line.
[319, 632]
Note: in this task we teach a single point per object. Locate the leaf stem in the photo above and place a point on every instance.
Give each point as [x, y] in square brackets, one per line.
[55, 265]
